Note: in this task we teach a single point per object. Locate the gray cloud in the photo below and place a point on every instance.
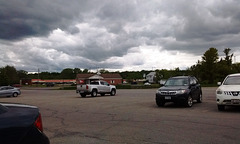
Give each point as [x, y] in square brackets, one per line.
[86, 34]
[25, 18]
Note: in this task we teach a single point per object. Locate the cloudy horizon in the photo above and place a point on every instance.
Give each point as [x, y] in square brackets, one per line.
[115, 35]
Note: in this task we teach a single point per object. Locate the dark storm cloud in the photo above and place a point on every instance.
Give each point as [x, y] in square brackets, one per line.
[90, 34]
[25, 18]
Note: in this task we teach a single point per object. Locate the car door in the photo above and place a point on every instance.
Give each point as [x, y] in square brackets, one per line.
[198, 88]
[1, 91]
[4, 91]
[106, 87]
[193, 87]
[9, 90]
[101, 87]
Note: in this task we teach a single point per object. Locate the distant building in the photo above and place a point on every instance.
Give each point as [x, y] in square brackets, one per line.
[151, 77]
[111, 78]
[26, 81]
[59, 81]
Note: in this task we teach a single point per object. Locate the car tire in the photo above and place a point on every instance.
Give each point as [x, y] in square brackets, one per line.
[113, 92]
[221, 107]
[83, 95]
[94, 93]
[15, 94]
[160, 103]
[199, 100]
[189, 101]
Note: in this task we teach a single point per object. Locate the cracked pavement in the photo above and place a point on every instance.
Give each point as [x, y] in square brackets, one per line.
[130, 117]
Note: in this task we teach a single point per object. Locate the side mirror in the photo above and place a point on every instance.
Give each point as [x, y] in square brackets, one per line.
[193, 84]
[219, 83]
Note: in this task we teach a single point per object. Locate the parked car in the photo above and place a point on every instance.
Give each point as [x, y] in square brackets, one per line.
[50, 84]
[180, 89]
[21, 124]
[96, 87]
[228, 93]
[147, 84]
[9, 91]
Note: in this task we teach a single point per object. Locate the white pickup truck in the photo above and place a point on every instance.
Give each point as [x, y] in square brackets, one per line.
[95, 87]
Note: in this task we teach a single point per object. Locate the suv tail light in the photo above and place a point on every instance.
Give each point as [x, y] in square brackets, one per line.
[86, 86]
[38, 123]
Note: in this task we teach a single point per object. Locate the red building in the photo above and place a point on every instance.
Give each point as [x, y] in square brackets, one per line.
[111, 78]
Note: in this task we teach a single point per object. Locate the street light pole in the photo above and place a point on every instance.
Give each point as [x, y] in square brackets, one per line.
[38, 77]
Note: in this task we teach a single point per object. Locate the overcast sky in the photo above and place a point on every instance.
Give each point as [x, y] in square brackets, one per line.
[52, 35]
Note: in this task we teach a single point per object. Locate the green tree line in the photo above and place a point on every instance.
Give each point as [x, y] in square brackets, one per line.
[209, 70]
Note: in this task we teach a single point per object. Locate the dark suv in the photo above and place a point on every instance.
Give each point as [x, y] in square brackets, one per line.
[180, 89]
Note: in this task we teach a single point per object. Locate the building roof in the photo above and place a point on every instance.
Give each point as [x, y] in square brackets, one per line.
[105, 76]
[96, 77]
[84, 76]
[111, 75]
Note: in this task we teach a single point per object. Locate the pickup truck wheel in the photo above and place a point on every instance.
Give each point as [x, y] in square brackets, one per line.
[83, 95]
[94, 93]
[113, 92]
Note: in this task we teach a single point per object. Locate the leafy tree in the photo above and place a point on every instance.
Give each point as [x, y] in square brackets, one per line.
[44, 75]
[162, 74]
[236, 68]
[85, 71]
[67, 73]
[196, 71]
[222, 70]
[103, 71]
[12, 75]
[48, 75]
[33, 75]
[3, 77]
[224, 66]
[22, 74]
[77, 70]
[228, 58]
[209, 61]
[8, 76]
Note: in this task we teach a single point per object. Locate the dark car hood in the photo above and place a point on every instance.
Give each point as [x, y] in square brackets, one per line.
[173, 88]
[16, 120]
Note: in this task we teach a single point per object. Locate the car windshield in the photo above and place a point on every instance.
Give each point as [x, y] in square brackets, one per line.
[232, 80]
[177, 82]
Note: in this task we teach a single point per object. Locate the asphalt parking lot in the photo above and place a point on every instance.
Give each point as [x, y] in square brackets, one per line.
[130, 117]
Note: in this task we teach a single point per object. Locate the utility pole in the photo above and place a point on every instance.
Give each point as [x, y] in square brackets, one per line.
[38, 77]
